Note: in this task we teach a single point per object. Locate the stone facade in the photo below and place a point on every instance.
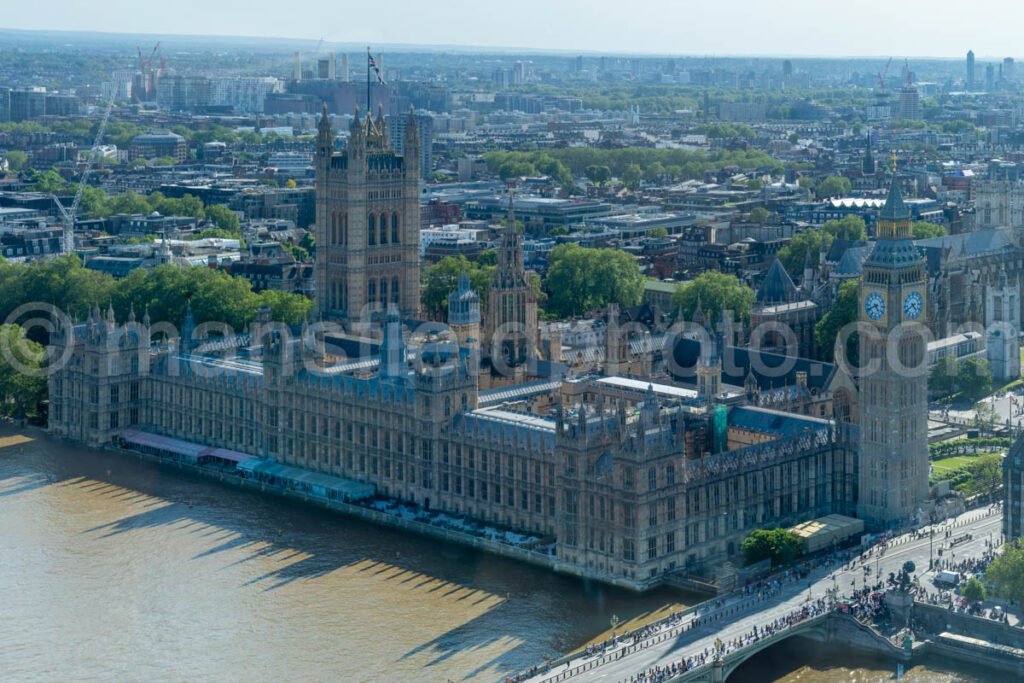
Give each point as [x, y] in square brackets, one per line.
[367, 222]
[893, 393]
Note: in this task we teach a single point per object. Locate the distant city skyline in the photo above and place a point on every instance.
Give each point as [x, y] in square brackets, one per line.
[797, 28]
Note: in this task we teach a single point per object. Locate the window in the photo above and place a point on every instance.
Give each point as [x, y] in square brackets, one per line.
[670, 509]
[652, 514]
[670, 475]
[394, 228]
[652, 479]
[628, 550]
[394, 290]
[670, 542]
[371, 229]
[652, 548]
[383, 228]
[371, 291]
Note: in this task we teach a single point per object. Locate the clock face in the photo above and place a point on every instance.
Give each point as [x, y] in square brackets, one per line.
[913, 305]
[874, 306]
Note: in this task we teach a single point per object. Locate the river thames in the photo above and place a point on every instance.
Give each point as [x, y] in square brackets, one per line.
[112, 568]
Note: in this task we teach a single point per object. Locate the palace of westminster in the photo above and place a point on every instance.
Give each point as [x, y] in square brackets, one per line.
[632, 471]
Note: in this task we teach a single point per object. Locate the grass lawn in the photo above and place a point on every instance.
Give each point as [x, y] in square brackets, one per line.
[950, 464]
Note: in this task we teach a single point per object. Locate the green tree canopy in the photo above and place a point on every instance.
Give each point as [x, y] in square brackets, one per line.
[442, 278]
[807, 241]
[16, 160]
[20, 392]
[974, 379]
[833, 186]
[847, 228]
[759, 214]
[973, 590]
[632, 176]
[779, 545]
[599, 174]
[924, 230]
[717, 292]
[1006, 573]
[581, 279]
[844, 310]
[224, 218]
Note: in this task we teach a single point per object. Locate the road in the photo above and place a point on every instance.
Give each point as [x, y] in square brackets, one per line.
[739, 614]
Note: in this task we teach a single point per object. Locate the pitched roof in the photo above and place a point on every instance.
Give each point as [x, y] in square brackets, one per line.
[777, 287]
[894, 209]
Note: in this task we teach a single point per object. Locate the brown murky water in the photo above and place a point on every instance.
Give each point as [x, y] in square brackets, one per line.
[115, 569]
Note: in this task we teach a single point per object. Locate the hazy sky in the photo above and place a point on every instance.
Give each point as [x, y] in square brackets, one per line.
[941, 28]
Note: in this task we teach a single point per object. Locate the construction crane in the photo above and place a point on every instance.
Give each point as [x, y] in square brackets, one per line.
[68, 214]
[147, 76]
[882, 74]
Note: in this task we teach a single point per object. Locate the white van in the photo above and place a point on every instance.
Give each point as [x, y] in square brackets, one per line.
[947, 579]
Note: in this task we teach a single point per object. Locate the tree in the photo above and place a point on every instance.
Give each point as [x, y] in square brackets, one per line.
[1006, 573]
[942, 377]
[923, 230]
[224, 218]
[20, 392]
[516, 169]
[717, 292]
[290, 184]
[658, 232]
[782, 547]
[833, 186]
[844, 310]
[632, 176]
[288, 308]
[759, 214]
[442, 278]
[581, 279]
[807, 241]
[847, 228]
[16, 160]
[974, 379]
[598, 174]
[973, 590]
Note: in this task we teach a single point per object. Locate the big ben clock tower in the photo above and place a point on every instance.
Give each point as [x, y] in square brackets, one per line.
[893, 473]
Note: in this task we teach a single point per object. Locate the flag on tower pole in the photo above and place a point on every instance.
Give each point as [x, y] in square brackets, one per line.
[376, 70]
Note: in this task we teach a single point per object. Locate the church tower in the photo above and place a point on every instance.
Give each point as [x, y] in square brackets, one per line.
[1002, 328]
[893, 479]
[367, 222]
[511, 324]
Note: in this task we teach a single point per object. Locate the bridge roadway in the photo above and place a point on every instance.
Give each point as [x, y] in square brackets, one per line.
[737, 615]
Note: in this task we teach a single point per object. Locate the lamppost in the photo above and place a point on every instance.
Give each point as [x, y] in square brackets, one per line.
[615, 624]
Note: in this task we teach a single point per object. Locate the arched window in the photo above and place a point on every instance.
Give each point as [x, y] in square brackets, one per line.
[371, 229]
[383, 228]
[371, 291]
[394, 290]
[383, 290]
[394, 228]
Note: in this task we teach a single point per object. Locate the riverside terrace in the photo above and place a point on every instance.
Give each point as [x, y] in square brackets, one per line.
[632, 488]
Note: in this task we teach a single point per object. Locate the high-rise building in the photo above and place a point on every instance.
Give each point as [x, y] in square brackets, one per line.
[27, 103]
[970, 70]
[910, 104]
[1009, 71]
[425, 124]
[893, 481]
[990, 78]
[367, 221]
[244, 94]
[344, 75]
